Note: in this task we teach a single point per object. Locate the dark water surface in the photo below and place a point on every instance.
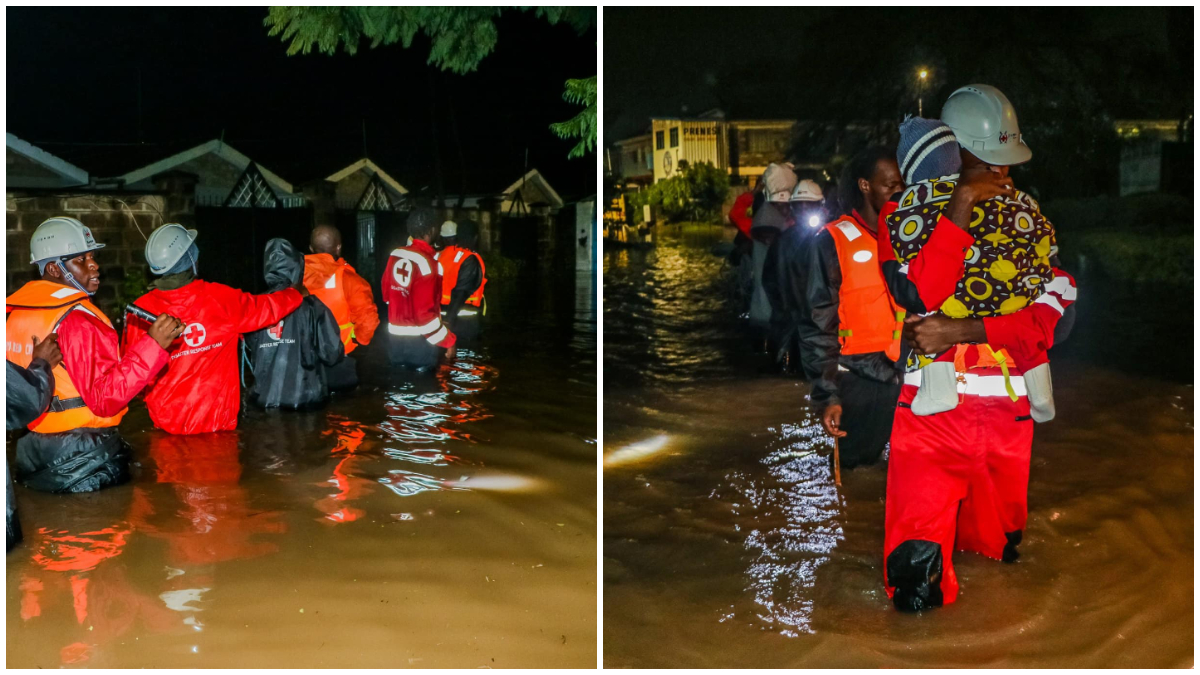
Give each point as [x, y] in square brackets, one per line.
[445, 520]
[726, 543]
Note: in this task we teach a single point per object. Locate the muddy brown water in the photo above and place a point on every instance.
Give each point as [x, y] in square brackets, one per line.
[726, 543]
[440, 521]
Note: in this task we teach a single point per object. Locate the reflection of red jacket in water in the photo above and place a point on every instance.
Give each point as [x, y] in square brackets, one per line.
[218, 523]
[199, 391]
[959, 479]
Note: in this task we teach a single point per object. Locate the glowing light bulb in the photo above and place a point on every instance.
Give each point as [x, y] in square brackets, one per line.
[813, 221]
[923, 74]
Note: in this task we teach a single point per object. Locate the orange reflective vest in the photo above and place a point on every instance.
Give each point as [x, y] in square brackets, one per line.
[868, 319]
[333, 294]
[451, 259]
[37, 309]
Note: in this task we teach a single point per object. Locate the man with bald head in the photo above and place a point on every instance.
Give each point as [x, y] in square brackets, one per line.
[347, 295]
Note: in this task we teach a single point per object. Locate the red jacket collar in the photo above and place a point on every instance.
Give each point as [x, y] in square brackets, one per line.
[862, 221]
[419, 245]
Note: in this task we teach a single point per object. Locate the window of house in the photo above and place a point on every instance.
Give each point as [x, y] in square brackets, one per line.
[675, 137]
[658, 140]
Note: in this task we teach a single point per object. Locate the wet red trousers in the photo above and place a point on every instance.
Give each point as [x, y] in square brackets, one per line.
[956, 480]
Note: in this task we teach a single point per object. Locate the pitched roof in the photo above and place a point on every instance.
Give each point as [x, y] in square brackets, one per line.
[215, 146]
[371, 169]
[69, 173]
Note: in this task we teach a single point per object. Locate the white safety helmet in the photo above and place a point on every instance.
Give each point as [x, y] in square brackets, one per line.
[985, 123]
[61, 237]
[449, 229]
[779, 180]
[807, 191]
[167, 245]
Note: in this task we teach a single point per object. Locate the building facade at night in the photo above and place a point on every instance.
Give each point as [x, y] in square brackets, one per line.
[743, 148]
[237, 204]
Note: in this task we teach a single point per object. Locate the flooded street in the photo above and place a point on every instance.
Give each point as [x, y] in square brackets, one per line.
[442, 520]
[726, 543]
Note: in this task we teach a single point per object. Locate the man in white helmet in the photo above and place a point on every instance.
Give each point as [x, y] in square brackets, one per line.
[200, 389]
[771, 219]
[74, 445]
[780, 279]
[958, 479]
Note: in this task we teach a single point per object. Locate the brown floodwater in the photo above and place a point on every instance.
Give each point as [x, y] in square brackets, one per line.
[726, 543]
[422, 521]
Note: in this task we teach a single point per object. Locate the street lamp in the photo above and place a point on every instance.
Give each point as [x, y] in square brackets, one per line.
[921, 92]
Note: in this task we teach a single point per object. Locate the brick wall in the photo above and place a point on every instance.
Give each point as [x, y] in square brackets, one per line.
[114, 219]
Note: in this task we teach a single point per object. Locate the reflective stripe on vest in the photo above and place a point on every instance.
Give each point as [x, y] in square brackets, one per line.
[868, 319]
[37, 309]
[451, 259]
[979, 385]
[333, 294]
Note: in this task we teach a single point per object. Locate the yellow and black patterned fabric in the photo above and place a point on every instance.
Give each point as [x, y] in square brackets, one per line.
[1008, 265]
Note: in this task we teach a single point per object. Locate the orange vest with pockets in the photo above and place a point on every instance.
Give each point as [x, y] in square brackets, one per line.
[452, 258]
[37, 309]
[333, 294]
[868, 319]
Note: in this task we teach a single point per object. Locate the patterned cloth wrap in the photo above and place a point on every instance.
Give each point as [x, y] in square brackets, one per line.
[1006, 268]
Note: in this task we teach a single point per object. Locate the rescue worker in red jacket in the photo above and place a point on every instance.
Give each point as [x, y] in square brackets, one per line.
[959, 479]
[849, 326]
[199, 391]
[463, 279]
[75, 446]
[346, 294]
[412, 289]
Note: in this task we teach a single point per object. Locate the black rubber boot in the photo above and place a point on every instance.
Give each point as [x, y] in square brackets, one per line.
[1011, 553]
[914, 569]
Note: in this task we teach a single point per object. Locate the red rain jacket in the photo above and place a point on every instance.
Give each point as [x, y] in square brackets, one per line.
[106, 380]
[199, 391]
[412, 289]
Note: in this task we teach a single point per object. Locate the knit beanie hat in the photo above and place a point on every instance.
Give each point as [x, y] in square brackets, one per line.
[927, 150]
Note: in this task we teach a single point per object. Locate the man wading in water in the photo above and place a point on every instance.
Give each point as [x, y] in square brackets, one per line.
[849, 327]
[959, 478]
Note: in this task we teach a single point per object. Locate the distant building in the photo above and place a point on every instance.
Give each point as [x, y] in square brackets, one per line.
[743, 148]
[1156, 156]
[631, 161]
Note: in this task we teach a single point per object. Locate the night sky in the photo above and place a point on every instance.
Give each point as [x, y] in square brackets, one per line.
[843, 63]
[73, 78]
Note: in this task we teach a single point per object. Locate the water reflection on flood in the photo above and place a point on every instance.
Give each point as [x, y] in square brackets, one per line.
[384, 512]
[727, 543]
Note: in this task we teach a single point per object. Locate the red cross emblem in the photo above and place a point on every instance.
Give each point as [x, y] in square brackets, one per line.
[276, 331]
[194, 335]
[403, 272]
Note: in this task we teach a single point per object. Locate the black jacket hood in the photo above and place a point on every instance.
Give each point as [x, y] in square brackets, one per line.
[283, 265]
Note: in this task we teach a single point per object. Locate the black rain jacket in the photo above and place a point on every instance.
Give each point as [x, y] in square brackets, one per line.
[287, 359]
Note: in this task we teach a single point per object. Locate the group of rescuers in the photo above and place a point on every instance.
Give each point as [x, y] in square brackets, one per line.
[69, 379]
[852, 302]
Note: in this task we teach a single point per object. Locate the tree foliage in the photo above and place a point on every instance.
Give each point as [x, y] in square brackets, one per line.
[460, 38]
[696, 193]
[583, 125]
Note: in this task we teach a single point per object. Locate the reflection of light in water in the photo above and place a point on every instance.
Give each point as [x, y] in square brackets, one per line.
[636, 451]
[181, 600]
[431, 457]
[408, 483]
[783, 573]
[497, 483]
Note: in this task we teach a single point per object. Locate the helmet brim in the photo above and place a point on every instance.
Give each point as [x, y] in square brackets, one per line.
[1010, 156]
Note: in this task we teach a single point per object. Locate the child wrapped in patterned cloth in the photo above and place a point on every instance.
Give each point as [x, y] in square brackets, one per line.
[1007, 267]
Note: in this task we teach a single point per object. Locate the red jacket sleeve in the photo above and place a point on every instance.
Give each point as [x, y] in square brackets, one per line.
[1031, 330]
[252, 312]
[428, 307]
[363, 312]
[739, 215]
[106, 381]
